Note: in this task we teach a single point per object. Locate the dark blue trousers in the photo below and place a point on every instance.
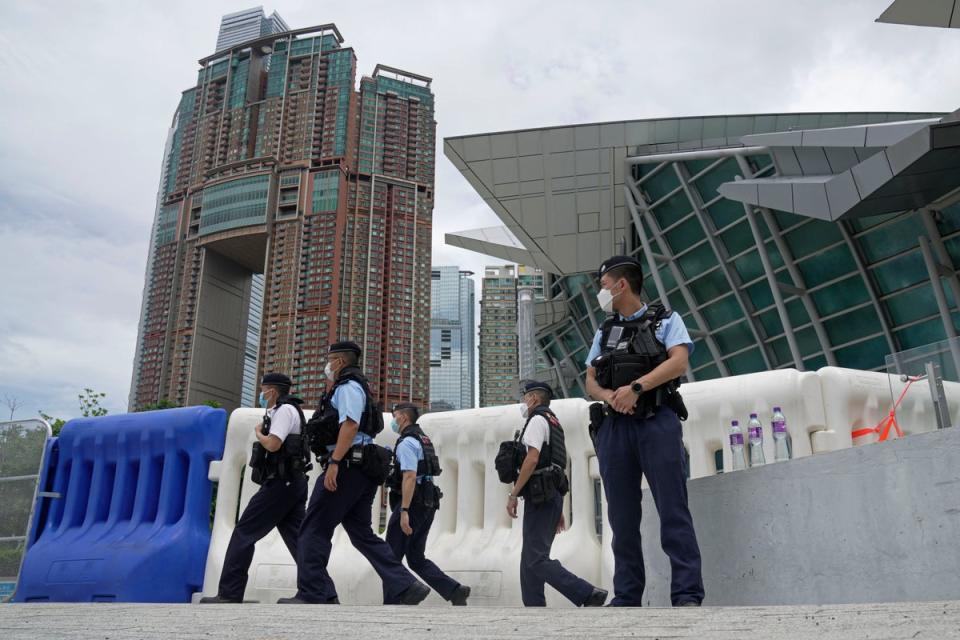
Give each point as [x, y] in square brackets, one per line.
[350, 505]
[412, 547]
[279, 503]
[626, 448]
[536, 567]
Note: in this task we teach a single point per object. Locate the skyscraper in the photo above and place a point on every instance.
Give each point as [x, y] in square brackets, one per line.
[452, 342]
[248, 24]
[498, 336]
[277, 165]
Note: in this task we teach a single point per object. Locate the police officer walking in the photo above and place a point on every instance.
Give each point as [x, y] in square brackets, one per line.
[345, 491]
[634, 366]
[278, 465]
[542, 483]
[414, 500]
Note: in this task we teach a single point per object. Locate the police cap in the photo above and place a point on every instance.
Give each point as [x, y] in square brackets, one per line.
[536, 385]
[276, 379]
[346, 347]
[618, 261]
[408, 406]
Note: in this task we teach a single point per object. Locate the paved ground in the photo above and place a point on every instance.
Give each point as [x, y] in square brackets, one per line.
[273, 622]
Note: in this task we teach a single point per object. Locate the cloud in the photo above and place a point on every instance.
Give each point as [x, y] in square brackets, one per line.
[89, 90]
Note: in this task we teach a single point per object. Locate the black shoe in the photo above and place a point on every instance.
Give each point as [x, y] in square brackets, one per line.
[688, 603]
[414, 594]
[333, 600]
[596, 599]
[460, 595]
[218, 599]
[292, 601]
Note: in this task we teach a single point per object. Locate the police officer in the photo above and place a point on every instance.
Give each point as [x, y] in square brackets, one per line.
[542, 482]
[283, 491]
[344, 494]
[414, 500]
[634, 366]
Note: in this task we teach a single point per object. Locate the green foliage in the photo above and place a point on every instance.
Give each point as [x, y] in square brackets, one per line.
[56, 424]
[20, 452]
[212, 403]
[157, 406]
[90, 403]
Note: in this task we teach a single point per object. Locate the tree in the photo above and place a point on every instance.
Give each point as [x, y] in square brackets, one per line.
[156, 406]
[55, 423]
[12, 403]
[90, 403]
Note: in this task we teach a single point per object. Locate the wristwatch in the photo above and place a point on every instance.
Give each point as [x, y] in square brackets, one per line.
[510, 495]
[333, 461]
[637, 387]
[402, 509]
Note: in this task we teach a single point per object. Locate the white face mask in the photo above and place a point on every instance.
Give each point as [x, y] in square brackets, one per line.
[605, 298]
[328, 371]
[524, 411]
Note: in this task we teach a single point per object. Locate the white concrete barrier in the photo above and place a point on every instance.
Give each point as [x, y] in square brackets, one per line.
[856, 400]
[475, 541]
[713, 404]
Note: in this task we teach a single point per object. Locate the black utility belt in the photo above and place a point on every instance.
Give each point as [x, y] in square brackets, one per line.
[353, 457]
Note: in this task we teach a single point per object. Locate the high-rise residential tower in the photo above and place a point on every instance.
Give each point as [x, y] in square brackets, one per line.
[278, 165]
[452, 341]
[498, 336]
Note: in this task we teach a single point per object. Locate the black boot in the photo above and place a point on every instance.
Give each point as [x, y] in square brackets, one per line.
[460, 595]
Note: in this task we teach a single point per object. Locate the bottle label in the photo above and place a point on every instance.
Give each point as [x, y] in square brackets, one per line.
[779, 426]
[755, 432]
[736, 439]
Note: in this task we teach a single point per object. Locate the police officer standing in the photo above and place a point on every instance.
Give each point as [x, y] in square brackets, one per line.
[344, 493]
[414, 500]
[279, 466]
[634, 366]
[542, 482]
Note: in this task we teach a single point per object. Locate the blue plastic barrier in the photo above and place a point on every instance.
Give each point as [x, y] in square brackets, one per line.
[131, 520]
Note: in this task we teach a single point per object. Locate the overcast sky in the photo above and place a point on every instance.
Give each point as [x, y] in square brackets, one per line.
[89, 89]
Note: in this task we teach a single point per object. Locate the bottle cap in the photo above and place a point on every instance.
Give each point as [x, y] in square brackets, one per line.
[776, 409]
[735, 423]
[753, 415]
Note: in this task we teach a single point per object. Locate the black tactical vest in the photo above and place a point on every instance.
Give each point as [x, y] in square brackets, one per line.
[429, 466]
[292, 457]
[629, 349]
[554, 451]
[324, 426]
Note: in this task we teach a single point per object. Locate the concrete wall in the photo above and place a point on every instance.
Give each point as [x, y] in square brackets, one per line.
[878, 523]
[223, 302]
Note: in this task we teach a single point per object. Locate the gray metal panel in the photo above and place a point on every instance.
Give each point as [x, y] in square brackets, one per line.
[841, 158]
[530, 167]
[886, 134]
[588, 201]
[563, 213]
[531, 187]
[561, 164]
[779, 139]
[586, 136]
[588, 222]
[775, 195]
[483, 170]
[476, 148]
[535, 216]
[561, 184]
[503, 145]
[813, 161]
[928, 13]
[612, 135]
[563, 249]
[529, 143]
[637, 133]
[786, 161]
[842, 193]
[871, 174]
[810, 198]
[508, 190]
[588, 161]
[906, 152]
[505, 170]
[741, 191]
[560, 139]
[841, 137]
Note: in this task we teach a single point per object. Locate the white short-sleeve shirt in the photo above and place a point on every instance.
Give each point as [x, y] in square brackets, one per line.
[284, 420]
[537, 433]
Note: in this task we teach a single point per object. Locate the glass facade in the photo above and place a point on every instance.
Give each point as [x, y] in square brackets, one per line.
[237, 203]
[452, 343]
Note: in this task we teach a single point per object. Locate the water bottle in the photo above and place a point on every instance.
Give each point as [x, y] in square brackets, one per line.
[736, 446]
[755, 432]
[781, 439]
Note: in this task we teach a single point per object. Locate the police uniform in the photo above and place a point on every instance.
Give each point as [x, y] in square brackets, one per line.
[350, 506]
[409, 456]
[648, 443]
[540, 518]
[278, 503]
